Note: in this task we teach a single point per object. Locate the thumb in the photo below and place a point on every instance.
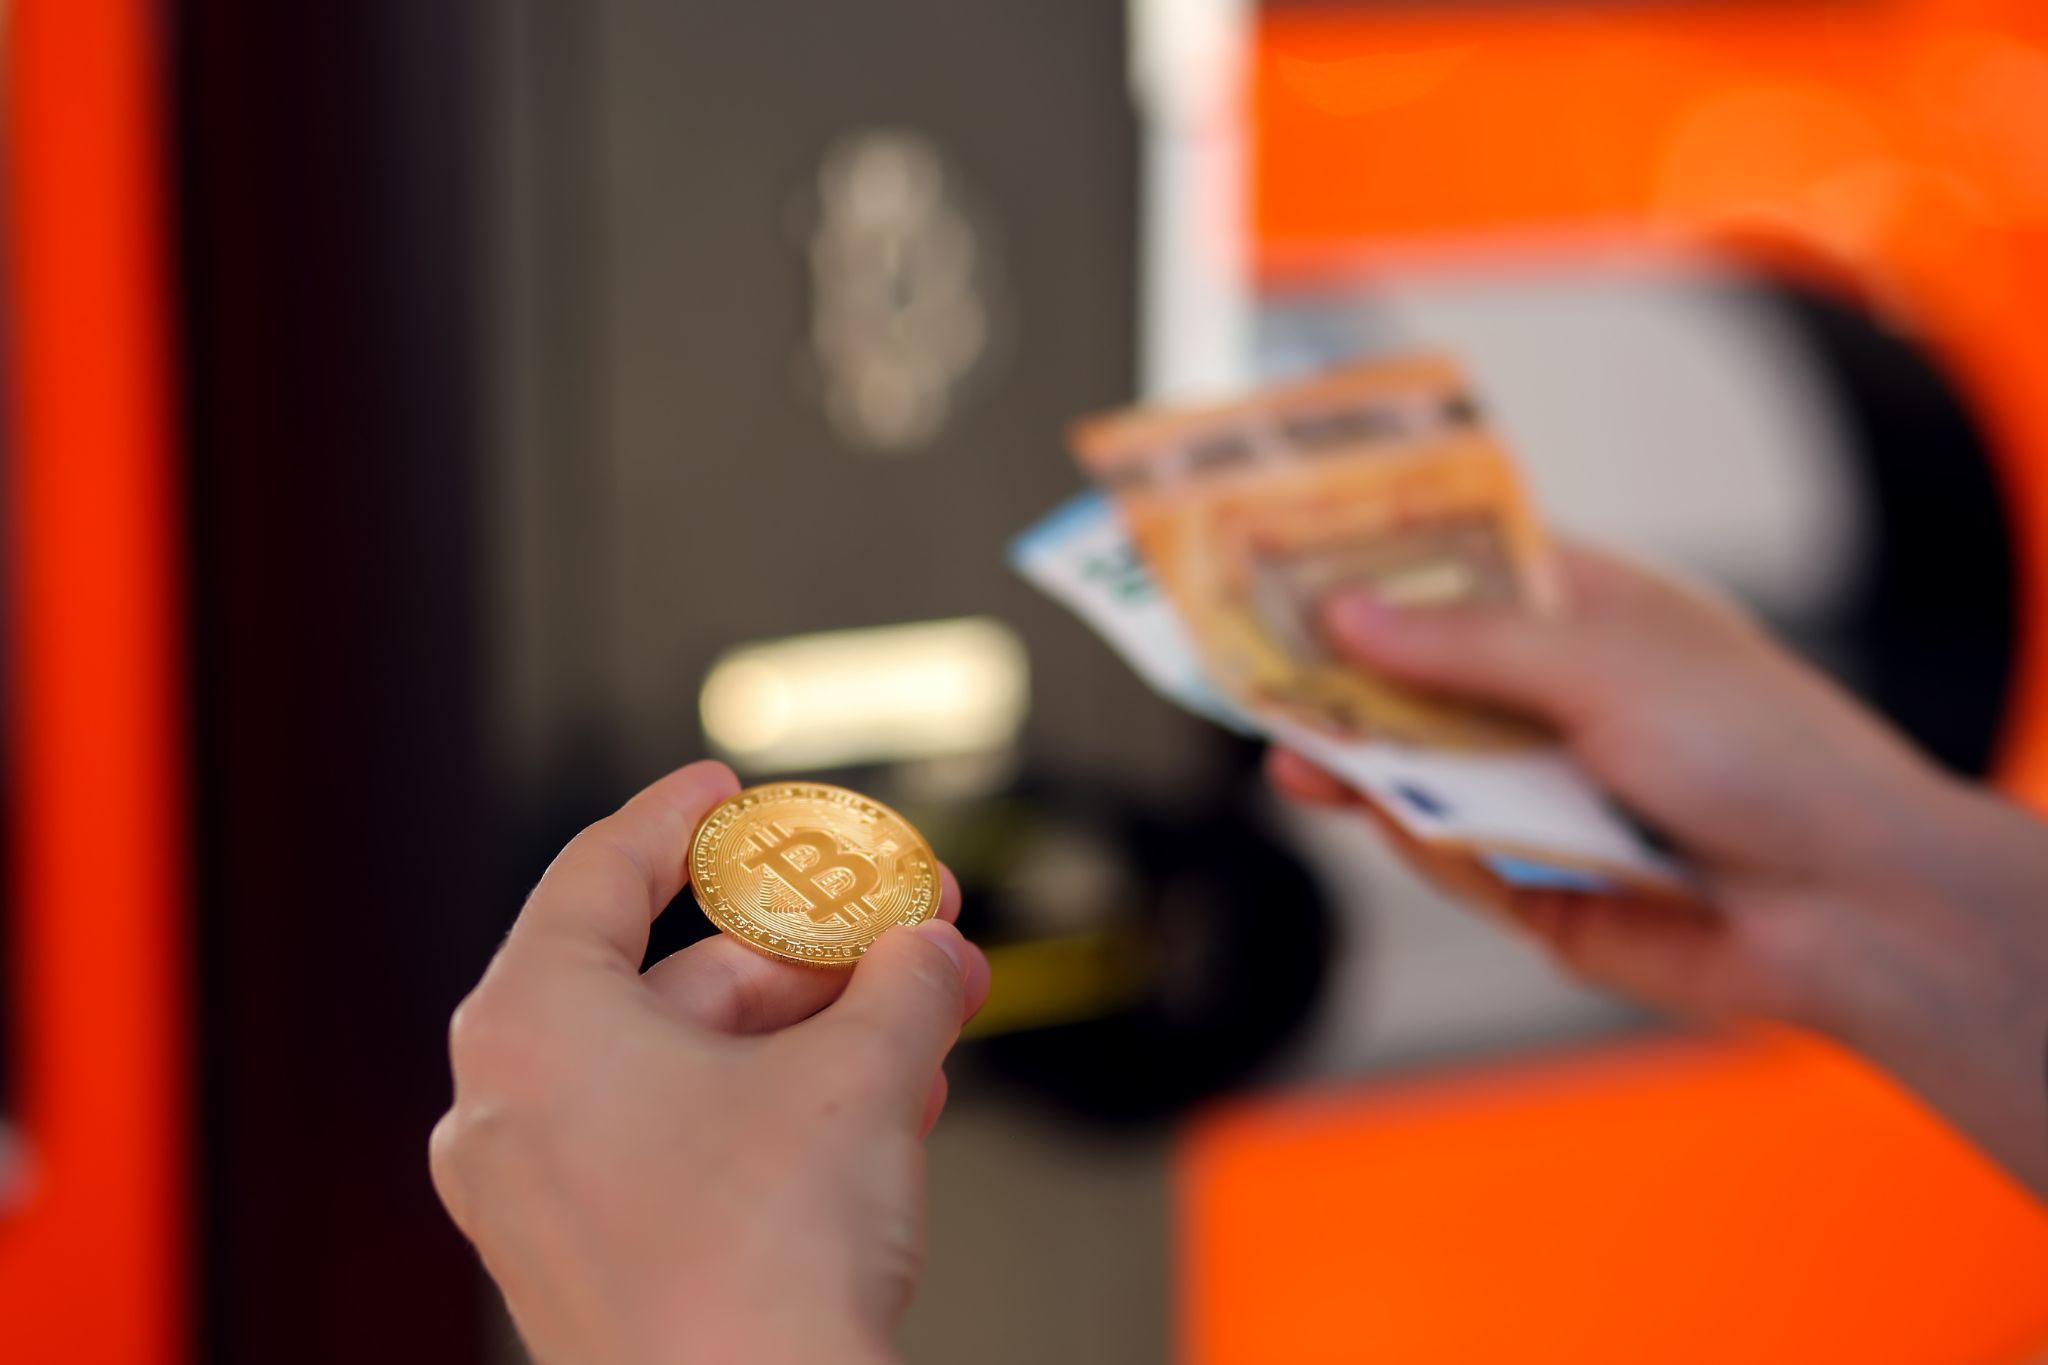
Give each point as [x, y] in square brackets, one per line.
[1507, 656]
[903, 1010]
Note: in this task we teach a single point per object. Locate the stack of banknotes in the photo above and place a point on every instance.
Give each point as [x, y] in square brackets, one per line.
[1218, 533]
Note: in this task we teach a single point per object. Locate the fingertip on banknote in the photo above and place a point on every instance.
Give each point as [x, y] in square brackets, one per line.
[1299, 779]
[1361, 619]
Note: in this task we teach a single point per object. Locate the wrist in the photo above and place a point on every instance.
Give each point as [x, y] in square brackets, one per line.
[1914, 937]
[1939, 974]
[792, 1331]
[727, 1347]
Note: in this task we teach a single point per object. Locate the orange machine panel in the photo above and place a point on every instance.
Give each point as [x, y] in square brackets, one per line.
[92, 1252]
[1667, 1202]
[1760, 1201]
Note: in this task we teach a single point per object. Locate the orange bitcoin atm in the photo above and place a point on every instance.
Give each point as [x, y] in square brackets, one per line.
[1739, 1199]
[234, 555]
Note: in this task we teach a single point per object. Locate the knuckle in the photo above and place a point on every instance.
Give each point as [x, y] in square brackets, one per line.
[444, 1158]
[473, 1031]
[718, 994]
[460, 1153]
[926, 963]
[607, 848]
[489, 1040]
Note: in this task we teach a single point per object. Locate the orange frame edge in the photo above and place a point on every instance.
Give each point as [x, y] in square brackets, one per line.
[93, 1263]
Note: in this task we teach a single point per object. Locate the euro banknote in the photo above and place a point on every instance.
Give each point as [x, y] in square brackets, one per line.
[1206, 574]
[1379, 477]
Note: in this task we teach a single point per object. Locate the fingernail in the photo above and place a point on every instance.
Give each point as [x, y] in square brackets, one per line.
[948, 941]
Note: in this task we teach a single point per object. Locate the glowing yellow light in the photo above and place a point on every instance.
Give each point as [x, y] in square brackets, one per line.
[884, 694]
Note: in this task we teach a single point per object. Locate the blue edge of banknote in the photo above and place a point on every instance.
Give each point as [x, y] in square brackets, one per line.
[1086, 511]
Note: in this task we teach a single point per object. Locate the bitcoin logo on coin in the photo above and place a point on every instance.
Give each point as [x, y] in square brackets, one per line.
[810, 872]
[833, 882]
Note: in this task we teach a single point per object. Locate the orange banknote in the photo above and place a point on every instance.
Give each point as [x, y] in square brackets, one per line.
[1379, 476]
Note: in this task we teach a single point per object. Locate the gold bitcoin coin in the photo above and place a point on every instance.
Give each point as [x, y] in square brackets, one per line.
[810, 872]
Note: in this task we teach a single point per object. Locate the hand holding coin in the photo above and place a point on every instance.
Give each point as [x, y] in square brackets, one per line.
[717, 1159]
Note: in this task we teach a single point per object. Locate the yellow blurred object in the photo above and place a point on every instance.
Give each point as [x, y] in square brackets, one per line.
[1063, 980]
[882, 694]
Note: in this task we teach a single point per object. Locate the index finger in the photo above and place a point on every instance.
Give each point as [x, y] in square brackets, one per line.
[722, 984]
[606, 886]
[1450, 868]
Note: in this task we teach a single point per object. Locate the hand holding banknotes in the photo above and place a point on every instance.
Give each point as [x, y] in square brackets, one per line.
[717, 1160]
[1857, 889]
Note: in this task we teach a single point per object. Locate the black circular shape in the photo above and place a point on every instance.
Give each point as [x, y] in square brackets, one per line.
[1930, 631]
